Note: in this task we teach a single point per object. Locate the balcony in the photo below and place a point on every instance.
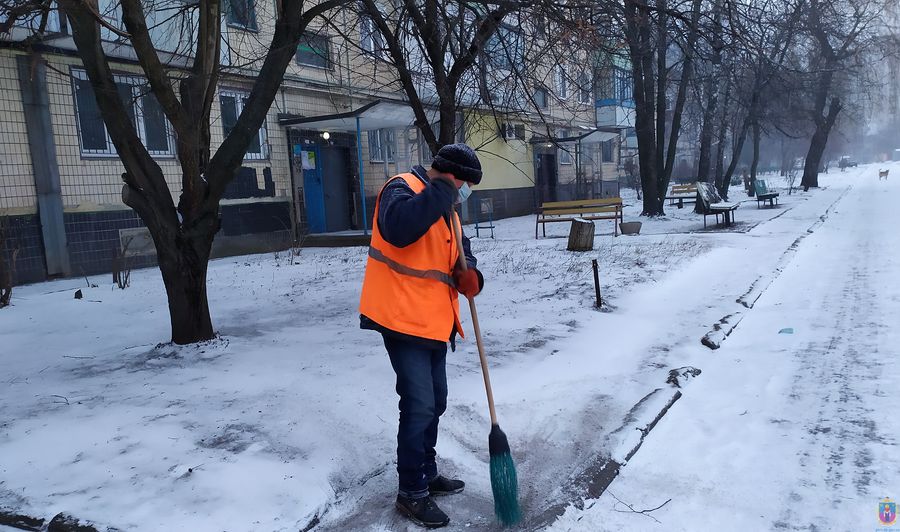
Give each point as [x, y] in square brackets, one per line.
[615, 113]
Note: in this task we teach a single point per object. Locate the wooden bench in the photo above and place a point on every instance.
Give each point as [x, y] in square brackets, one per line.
[763, 194]
[590, 209]
[682, 193]
[710, 203]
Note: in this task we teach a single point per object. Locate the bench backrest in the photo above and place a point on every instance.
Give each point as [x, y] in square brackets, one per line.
[761, 188]
[575, 206]
[684, 189]
[706, 195]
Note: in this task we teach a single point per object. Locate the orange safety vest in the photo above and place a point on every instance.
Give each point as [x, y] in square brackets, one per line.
[410, 290]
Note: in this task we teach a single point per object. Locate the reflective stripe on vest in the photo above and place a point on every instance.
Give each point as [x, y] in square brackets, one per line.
[412, 272]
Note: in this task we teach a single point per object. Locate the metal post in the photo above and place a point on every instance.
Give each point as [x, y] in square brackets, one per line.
[362, 187]
[597, 283]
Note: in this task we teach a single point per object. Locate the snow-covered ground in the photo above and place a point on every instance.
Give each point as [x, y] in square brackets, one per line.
[289, 418]
[786, 431]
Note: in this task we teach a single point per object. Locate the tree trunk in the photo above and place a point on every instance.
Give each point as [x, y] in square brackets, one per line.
[639, 46]
[720, 157]
[706, 134]
[183, 263]
[661, 82]
[711, 90]
[755, 164]
[736, 151]
[817, 146]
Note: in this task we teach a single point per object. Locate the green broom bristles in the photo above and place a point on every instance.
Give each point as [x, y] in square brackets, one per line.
[504, 482]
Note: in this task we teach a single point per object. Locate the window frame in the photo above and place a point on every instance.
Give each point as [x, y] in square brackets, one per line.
[610, 146]
[239, 97]
[562, 83]
[563, 133]
[329, 63]
[136, 83]
[251, 12]
[546, 98]
[385, 143]
[585, 88]
[368, 35]
[511, 131]
[623, 86]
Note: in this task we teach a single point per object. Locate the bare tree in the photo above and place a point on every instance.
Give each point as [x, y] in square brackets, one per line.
[183, 78]
[486, 58]
[841, 34]
[655, 34]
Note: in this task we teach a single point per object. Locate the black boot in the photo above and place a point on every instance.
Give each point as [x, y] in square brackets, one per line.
[442, 485]
[422, 511]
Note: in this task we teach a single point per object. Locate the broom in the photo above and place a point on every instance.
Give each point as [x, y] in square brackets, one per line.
[504, 482]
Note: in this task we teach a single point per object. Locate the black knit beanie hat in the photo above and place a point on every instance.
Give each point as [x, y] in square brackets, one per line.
[459, 160]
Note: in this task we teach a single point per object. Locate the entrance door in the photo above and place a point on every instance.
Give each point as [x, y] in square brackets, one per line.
[313, 192]
[335, 166]
[547, 176]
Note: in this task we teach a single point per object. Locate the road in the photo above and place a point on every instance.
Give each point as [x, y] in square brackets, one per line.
[787, 430]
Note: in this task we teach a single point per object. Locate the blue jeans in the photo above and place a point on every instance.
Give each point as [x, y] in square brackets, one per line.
[422, 387]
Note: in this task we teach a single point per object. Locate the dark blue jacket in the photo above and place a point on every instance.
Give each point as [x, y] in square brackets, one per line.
[404, 217]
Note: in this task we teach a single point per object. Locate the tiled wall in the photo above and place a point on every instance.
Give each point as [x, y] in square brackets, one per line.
[93, 239]
[507, 202]
[17, 193]
[23, 232]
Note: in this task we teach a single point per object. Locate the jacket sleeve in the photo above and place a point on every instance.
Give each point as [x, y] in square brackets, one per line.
[471, 261]
[404, 216]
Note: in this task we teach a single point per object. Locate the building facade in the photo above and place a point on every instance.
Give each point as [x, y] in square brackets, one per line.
[327, 145]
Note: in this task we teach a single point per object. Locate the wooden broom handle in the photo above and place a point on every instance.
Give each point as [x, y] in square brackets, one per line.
[457, 232]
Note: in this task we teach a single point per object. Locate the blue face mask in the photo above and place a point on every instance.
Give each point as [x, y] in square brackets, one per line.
[464, 193]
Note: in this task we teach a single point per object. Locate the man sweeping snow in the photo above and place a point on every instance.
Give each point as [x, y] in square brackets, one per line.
[410, 295]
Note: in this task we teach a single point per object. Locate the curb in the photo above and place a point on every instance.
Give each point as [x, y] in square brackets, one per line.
[600, 473]
[713, 339]
[59, 523]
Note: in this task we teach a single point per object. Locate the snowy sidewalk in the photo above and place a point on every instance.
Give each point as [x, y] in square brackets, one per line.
[786, 431]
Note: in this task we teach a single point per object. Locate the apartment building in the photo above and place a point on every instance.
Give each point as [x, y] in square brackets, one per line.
[330, 140]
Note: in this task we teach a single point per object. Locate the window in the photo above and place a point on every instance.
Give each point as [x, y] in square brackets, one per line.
[623, 85]
[497, 53]
[241, 13]
[606, 151]
[541, 98]
[314, 51]
[505, 48]
[540, 25]
[584, 88]
[562, 83]
[512, 131]
[143, 110]
[232, 104]
[381, 146]
[565, 156]
[371, 39]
